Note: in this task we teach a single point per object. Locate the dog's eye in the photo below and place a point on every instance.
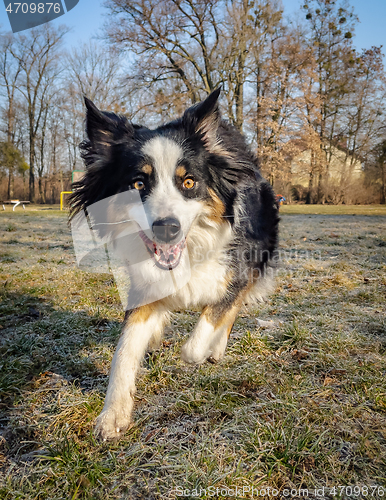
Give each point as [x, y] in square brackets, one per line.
[189, 183]
[139, 185]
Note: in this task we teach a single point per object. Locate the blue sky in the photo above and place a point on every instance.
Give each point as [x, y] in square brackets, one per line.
[87, 18]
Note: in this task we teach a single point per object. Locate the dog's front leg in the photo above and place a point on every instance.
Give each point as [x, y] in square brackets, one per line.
[210, 337]
[139, 327]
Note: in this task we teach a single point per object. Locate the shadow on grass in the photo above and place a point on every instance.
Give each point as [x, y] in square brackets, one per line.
[37, 339]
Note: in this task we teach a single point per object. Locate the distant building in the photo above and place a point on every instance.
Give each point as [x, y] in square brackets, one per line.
[343, 166]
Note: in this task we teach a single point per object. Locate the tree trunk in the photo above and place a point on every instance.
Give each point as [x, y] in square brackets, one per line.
[41, 190]
[53, 180]
[311, 180]
[31, 196]
[383, 185]
[10, 184]
[45, 189]
[320, 194]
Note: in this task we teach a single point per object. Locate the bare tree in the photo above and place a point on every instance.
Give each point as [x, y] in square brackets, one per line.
[9, 75]
[173, 40]
[95, 71]
[187, 48]
[376, 169]
[331, 27]
[291, 88]
[37, 54]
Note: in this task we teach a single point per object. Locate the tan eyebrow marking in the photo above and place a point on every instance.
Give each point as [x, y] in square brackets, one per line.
[180, 171]
[218, 207]
[147, 169]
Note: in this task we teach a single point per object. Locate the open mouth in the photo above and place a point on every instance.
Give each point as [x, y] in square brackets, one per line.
[165, 256]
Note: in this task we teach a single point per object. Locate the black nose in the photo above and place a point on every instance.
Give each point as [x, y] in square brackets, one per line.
[166, 230]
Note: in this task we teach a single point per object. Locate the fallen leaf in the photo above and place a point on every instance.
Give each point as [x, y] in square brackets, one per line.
[336, 371]
[299, 354]
[309, 463]
[328, 381]
[151, 434]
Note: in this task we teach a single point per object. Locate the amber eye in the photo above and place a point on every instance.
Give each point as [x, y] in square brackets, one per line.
[139, 185]
[189, 183]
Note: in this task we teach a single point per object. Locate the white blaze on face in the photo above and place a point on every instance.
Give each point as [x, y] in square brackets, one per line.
[165, 154]
[166, 200]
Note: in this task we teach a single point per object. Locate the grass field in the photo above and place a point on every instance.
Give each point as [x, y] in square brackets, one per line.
[334, 209]
[298, 405]
[50, 210]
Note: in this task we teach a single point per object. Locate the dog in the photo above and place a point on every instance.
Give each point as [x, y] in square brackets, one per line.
[205, 202]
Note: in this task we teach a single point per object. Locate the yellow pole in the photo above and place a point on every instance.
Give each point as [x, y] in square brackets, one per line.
[61, 198]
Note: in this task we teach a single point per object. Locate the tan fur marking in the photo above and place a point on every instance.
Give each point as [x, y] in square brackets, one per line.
[230, 316]
[147, 169]
[228, 277]
[141, 314]
[230, 329]
[181, 171]
[218, 207]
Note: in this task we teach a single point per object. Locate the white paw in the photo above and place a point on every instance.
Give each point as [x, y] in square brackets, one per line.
[194, 354]
[218, 349]
[114, 420]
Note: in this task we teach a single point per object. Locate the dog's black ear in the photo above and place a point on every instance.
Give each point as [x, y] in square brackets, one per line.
[204, 118]
[104, 128]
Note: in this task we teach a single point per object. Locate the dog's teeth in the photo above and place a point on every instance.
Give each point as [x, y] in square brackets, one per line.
[166, 255]
[118, 430]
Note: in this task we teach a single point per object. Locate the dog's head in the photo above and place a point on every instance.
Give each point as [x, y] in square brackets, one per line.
[183, 171]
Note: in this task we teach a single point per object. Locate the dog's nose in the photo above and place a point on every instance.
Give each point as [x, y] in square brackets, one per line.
[166, 230]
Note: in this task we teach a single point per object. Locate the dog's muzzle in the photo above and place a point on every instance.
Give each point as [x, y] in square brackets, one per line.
[168, 244]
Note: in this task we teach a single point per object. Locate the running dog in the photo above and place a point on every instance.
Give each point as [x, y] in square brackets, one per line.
[206, 203]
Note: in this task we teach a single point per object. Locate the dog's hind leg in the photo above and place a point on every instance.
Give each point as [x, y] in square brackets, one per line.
[139, 327]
